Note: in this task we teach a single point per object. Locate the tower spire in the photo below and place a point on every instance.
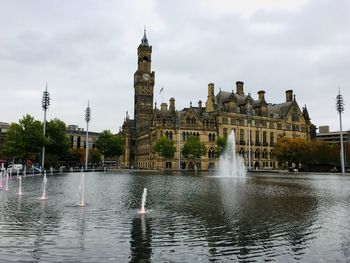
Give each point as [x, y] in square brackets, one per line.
[144, 40]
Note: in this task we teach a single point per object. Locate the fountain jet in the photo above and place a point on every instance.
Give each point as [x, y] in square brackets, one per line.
[20, 186]
[230, 163]
[43, 187]
[143, 203]
[82, 186]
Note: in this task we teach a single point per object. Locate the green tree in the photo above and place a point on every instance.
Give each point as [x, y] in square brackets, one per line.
[221, 143]
[194, 149]
[13, 146]
[94, 156]
[110, 145]
[165, 147]
[57, 142]
[24, 140]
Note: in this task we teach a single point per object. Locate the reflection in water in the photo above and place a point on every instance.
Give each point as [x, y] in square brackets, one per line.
[140, 244]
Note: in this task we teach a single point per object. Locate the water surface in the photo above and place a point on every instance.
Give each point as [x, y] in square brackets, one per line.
[264, 217]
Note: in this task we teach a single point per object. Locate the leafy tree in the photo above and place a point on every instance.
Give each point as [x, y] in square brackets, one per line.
[221, 143]
[292, 150]
[57, 142]
[194, 148]
[94, 156]
[165, 147]
[13, 146]
[24, 140]
[110, 145]
[323, 154]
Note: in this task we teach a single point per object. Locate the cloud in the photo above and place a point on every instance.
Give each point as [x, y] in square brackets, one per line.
[86, 50]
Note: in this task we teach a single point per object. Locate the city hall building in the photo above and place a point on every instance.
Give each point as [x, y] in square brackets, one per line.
[221, 113]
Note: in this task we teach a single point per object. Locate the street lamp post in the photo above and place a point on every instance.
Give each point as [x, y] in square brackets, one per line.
[87, 119]
[340, 109]
[45, 105]
[249, 116]
[178, 143]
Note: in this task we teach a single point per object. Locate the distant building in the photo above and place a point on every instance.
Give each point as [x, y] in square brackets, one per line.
[77, 137]
[334, 138]
[3, 129]
[218, 116]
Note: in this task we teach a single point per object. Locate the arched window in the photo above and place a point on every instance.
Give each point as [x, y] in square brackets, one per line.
[210, 137]
[183, 136]
[171, 135]
[213, 137]
[241, 152]
[211, 153]
[257, 154]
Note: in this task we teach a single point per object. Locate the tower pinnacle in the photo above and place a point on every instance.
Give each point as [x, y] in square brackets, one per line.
[144, 40]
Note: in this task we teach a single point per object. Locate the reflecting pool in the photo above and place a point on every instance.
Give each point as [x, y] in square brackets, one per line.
[203, 218]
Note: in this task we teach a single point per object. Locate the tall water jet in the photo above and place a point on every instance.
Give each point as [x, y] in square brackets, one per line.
[17, 174]
[82, 190]
[143, 202]
[20, 186]
[25, 170]
[51, 170]
[230, 163]
[43, 187]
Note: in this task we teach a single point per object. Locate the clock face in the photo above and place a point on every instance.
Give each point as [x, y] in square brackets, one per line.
[146, 76]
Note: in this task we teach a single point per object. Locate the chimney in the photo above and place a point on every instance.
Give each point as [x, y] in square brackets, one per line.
[209, 105]
[289, 95]
[163, 106]
[172, 105]
[239, 88]
[200, 105]
[261, 94]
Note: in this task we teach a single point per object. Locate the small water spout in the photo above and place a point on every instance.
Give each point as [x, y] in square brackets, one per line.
[7, 182]
[143, 202]
[51, 170]
[43, 188]
[20, 186]
[82, 190]
[1, 180]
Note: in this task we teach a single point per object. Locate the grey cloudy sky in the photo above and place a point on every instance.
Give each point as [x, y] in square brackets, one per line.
[86, 50]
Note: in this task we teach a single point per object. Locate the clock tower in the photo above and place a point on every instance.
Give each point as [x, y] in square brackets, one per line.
[143, 86]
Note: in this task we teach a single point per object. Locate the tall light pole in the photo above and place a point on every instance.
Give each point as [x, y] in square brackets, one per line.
[45, 105]
[249, 117]
[87, 119]
[178, 143]
[340, 109]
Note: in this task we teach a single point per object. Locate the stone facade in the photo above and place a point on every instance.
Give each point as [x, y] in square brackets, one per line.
[223, 112]
[77, 137]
